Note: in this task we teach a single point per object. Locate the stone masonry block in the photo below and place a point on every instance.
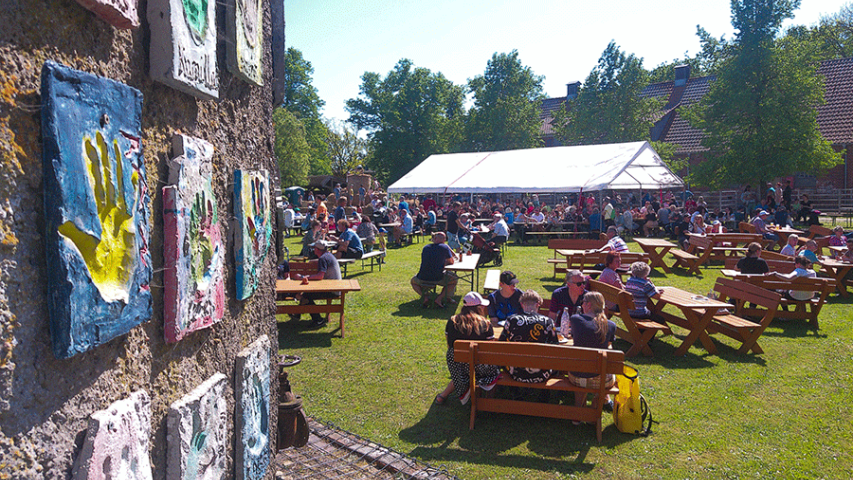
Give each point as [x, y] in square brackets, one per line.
[183, 46]
[194, 250]
[197, 433]
[116, 444]
[253, 410]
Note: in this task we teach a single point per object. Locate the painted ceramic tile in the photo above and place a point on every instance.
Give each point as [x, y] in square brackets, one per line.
[118, 13]
[279, 52]
[197, 433]
[96, 209]
[116, 444]
[183, 45]
[252, 211]
[245, 51]
[253, 410]
[194, 251]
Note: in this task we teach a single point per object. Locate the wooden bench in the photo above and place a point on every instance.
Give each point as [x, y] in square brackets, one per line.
[815, 232]
[583, 261]
[686, 260]
[733, 325]
[537, 355]
[803, 309]
[638, 332]
[374, 257]
[574, 244]
[703, 248]
[310, 267]
[781, 266]
[492, 283]
[746, 227]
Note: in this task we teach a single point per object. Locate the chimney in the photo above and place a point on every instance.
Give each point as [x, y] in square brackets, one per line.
[682, 73]
[572, 90]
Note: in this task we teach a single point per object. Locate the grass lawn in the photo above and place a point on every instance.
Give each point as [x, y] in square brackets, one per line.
[783, 414]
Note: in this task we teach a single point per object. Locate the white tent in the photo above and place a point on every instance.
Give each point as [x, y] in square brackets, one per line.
[617, 166]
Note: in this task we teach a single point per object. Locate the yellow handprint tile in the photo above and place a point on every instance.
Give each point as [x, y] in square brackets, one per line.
[97, 209]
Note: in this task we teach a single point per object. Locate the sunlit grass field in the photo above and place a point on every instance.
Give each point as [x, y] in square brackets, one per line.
[783, 414]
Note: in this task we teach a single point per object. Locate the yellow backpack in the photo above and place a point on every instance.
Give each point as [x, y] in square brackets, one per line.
[631, 413]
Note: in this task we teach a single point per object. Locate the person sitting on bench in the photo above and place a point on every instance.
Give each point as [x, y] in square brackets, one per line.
[591, 329]
[529, 326]
[434, 257]
[327, 269]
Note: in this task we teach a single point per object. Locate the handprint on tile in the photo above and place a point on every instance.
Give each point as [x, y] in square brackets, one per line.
[110, 253]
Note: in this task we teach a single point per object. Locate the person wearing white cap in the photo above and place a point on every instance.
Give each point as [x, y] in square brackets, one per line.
[469, 324]
[761, 227]
[500, 229]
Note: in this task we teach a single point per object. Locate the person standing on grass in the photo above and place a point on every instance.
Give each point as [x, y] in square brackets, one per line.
[529, 326]
[434, 257]
[470, 324]
[592, 329]
[506, 300]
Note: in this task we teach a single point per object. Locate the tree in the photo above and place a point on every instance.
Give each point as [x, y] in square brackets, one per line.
[832, 38]
[609, 107]
[409, 115]
[759, 115]
[505, 115]
[703, 63]
[291, 149]
[345, 149]
[300, 96]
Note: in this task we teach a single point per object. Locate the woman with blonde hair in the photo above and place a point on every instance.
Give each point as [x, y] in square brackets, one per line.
[470, 324]
[591, 329]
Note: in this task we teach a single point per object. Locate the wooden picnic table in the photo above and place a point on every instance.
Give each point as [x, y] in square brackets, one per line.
[466, 269]
[390, 225]
[657, 248]
[698, 312]
[837, 270]
[784, 232]
[287, 289]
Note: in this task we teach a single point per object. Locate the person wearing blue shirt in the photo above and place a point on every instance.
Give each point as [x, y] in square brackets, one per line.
[349, 245]
[430, 221]
[403, 205]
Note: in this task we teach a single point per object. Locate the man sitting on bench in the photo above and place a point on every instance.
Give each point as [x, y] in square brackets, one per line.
[500, 230]
[327, 269]
[614, 242]
[434, 257]
[349, 245]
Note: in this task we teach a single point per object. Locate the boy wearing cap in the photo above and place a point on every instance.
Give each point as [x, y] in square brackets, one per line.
[506, 300]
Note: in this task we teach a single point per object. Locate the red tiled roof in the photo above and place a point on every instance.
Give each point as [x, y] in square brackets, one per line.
[835, 117]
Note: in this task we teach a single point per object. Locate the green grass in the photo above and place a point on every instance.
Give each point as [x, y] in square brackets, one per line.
[783, 414]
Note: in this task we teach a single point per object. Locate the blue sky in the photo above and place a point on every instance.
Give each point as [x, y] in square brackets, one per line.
[560, 40]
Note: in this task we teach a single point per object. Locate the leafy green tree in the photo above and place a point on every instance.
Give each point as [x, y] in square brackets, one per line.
[300, 96]
[759, 116]
[345, 149]
[831, 38]
[409, 115]
[505, 115]
[703, 63]
[291, 149]
[609, 107]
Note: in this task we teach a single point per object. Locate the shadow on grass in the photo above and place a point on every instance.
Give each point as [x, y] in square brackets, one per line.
[413, 309]
[496, 433]
[300, 334]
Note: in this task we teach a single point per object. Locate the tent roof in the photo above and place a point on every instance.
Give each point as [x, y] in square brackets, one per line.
[541, 170]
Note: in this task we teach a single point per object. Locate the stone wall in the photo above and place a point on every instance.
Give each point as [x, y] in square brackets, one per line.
[45, 402]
